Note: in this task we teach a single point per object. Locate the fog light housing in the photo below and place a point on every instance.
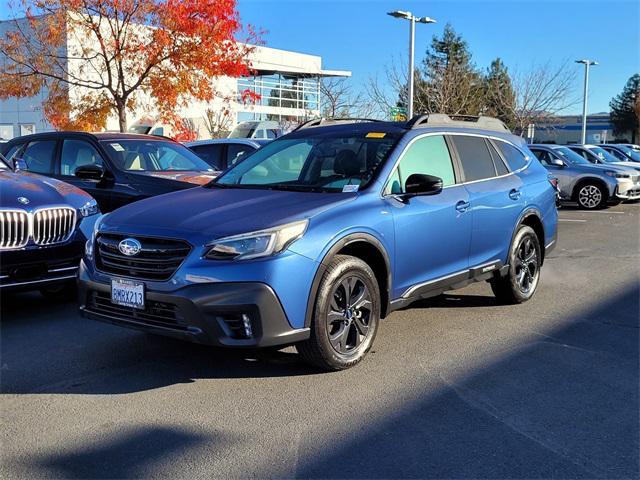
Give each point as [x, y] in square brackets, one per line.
[237, 325]
[246, 323]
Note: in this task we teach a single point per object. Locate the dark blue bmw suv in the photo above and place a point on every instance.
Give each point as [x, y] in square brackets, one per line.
[316, 237]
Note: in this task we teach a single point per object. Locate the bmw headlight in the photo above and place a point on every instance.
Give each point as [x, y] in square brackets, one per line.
[613, 174]
[262, 243]
[89, 208]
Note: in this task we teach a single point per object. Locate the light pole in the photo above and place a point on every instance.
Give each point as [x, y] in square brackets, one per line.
[587, 63]
[412, 27]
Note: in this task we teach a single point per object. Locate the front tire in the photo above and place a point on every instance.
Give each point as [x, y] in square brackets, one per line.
[525, 259]
[591, 196]
[346, 315]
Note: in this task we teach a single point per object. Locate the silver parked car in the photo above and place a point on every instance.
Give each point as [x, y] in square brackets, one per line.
[591, 186]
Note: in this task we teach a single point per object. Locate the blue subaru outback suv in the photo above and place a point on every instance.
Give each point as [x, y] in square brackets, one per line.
[316, 237]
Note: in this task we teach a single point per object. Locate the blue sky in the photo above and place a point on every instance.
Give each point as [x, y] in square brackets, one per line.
[357, 35]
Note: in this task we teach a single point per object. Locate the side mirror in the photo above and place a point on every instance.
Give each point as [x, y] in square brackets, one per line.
[90, 172]
[19, 164]
[556, 162]
[421, 184]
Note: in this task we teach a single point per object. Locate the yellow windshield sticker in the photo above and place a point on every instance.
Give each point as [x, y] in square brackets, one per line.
[375, 135]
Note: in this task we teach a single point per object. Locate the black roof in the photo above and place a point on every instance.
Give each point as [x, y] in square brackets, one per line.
[97, 136]
[353, 128]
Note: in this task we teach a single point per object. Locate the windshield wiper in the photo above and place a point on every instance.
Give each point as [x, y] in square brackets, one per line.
[214, 184]
[296, 188]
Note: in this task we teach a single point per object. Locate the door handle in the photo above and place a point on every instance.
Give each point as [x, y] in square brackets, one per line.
[462, 206]
[515, 194]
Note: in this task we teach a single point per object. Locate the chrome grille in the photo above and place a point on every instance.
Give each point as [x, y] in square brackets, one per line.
[14, 228]
[53, 225]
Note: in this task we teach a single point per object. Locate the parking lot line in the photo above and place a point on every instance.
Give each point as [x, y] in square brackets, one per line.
[608, 212]
[571, 220]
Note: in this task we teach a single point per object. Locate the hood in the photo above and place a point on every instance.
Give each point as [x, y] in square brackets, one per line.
[616, 167]
[216, 212]
[195, 178]
[38, 190]
[627, 165]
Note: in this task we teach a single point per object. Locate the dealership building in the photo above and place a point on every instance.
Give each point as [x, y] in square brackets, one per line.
[287, 82]
[568, 129]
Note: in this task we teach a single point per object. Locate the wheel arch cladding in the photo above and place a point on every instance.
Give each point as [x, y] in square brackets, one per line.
[367, 248]
[595, 180]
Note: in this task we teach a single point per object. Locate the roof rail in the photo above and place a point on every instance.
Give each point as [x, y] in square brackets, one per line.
[465, 121]
[316, 122]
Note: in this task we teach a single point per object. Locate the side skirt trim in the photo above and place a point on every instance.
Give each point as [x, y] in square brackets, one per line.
[449, 282]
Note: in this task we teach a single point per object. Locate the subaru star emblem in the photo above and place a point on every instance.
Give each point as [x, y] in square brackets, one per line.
[23, 200]
[129, 247]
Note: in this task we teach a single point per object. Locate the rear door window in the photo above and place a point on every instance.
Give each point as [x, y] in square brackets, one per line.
[514, 157]
[38, 156]
[476, 160]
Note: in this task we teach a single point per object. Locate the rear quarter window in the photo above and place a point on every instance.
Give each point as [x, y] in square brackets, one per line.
[514, 157]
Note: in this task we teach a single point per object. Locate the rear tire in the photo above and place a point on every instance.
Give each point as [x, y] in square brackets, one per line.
[525, 258]
[346, 315]
[591, 196]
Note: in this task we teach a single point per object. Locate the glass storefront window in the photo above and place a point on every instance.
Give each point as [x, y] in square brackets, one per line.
[283, 92]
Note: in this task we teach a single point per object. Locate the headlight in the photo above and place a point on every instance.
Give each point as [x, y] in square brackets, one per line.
[89, 208]
[616, 174]
[256, 244]
[88, 246]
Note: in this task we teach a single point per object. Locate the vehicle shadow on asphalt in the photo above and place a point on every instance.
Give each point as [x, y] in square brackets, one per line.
[129, 454]
[60, 352]
[563, 406]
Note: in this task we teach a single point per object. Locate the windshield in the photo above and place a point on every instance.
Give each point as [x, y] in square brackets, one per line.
[343, 162]
[154, 156]
[603, 155]
[630, 152]
[571, 156]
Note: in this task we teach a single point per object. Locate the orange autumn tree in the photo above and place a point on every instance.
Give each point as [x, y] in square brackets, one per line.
[97, 58]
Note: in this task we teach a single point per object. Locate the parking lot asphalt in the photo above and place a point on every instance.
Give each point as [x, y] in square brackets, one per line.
[455, 387]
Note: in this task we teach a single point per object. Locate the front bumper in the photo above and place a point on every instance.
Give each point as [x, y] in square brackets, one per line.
[628, 190]
[37, 267]
[209, 313]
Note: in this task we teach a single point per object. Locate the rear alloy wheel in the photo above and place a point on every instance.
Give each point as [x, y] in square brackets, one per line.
[591, 196]
[525, 259]
[346, 315]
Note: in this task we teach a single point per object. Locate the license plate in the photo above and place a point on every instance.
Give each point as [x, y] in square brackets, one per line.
[127, 293]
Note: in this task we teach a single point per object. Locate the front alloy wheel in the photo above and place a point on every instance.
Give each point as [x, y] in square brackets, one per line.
[346, 315]
[349, 315]
[590, 196]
